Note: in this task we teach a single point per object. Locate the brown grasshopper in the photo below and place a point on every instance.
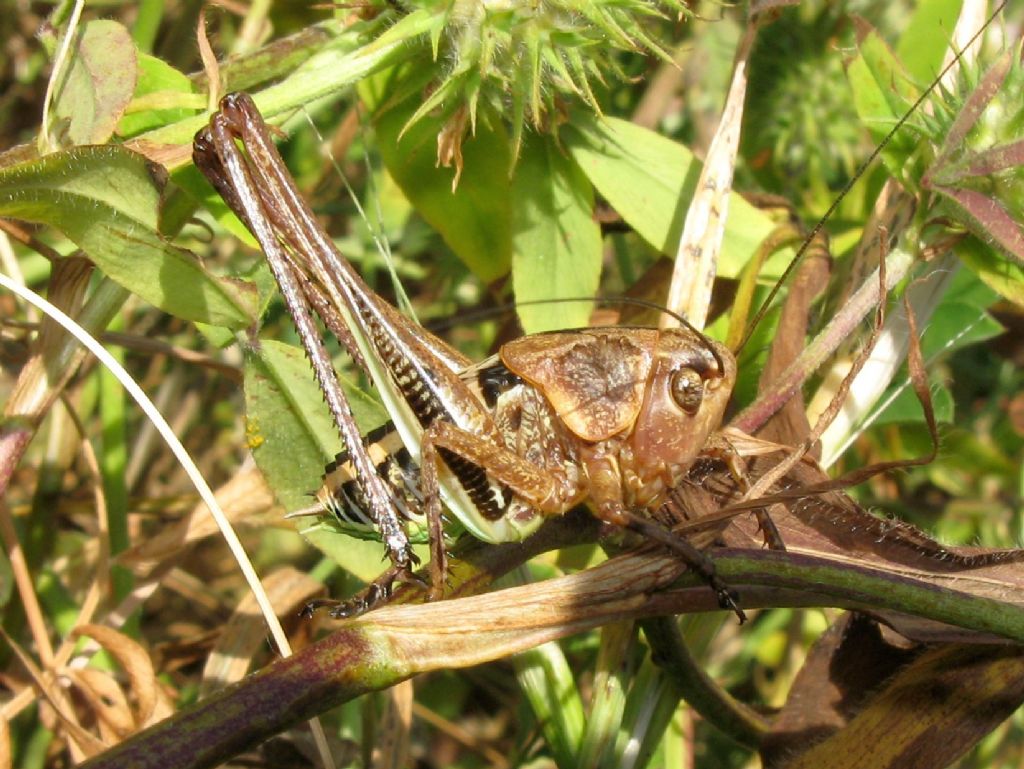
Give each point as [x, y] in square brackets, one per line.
[611, 416]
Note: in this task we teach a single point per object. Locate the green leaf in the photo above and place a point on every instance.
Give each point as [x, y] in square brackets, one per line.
[650, 703]
[99, 82]
[290, 430]
[545, 677]
[922, 48]
[363, 558]
[475, 219]
[650, 181]
[966, 289]
[292, 436]
[107, 200]
[196, 185]
[157, 78]
[556, 242]
[905, 408]
[882, 93]
[615, 668]
[1001, 275]
[957, 325]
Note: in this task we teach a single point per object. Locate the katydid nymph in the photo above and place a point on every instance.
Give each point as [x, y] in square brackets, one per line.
[614, 417]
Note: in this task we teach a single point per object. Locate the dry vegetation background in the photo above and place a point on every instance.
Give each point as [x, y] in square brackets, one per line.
[121, 603]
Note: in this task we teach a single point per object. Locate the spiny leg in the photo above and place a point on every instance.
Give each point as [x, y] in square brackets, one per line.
[431, 490]
[606, 493]
[720, 448]
[694, 558]
[232, 173]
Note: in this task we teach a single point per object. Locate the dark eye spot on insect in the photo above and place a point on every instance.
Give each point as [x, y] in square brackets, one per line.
[687, 389]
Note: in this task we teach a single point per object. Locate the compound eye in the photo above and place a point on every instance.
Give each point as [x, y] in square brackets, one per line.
[687, 390]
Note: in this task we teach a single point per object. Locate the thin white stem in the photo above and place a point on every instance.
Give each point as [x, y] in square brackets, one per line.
[179, 451]
[45, 145]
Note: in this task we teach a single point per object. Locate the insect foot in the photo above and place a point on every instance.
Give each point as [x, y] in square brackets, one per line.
[373, 595]
[728, 598]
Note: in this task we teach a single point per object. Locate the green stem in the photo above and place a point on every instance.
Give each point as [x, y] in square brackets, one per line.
[393, 643]
[711, 701]
[274, 60]
[147, 22]
[328, 71]
[854, 586]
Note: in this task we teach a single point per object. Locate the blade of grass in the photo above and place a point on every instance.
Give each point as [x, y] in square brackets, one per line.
[179, 451]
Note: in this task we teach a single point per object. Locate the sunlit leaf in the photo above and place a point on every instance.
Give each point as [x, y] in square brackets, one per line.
[99, 82]
[922, 48]
[107, 200]
[882, 93]
[157, 78]
[650, 180]
[289, 429]
[1002, 276]
[475, 219]
[557, 243]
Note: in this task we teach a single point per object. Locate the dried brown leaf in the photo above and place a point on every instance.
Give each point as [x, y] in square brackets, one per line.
[696, 261]
[106, 700]
[53, 363]
[210, 64]
[82, 742]
[245, 498]
[929, 713]
[393, 728]
[170, 156]
[851, 659]
[135, 662]
[789, 425]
